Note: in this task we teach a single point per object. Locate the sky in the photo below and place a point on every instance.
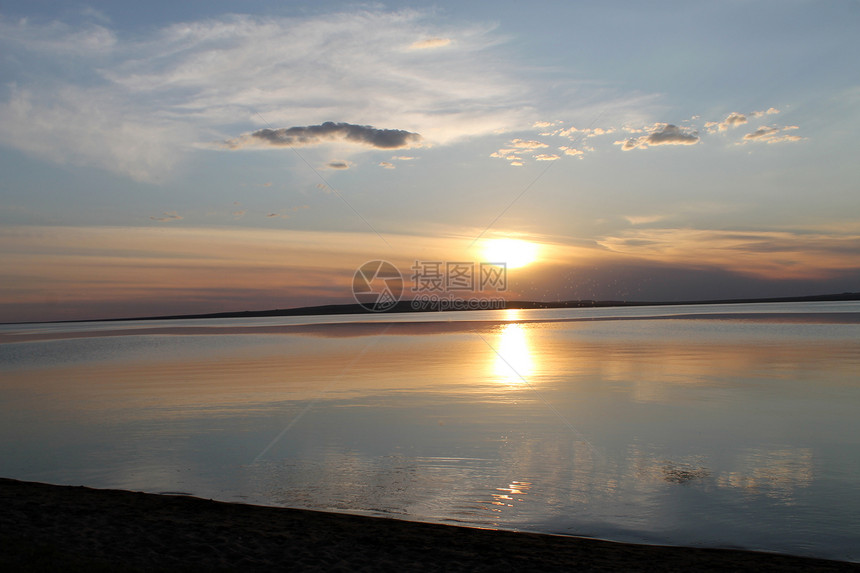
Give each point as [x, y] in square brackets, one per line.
[163, 157]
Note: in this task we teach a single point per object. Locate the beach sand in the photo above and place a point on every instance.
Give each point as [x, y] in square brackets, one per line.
[63, 528]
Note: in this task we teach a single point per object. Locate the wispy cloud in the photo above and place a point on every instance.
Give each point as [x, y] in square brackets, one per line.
[88, 39]
[136, 104]
[387, 165]
[767, 254]
[664, 134]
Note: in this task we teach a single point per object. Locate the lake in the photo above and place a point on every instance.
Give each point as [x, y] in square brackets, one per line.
[708, 425]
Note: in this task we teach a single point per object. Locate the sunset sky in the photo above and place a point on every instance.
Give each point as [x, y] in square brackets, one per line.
[168, 157]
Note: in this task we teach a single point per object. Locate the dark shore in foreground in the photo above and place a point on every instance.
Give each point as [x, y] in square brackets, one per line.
[63, 528]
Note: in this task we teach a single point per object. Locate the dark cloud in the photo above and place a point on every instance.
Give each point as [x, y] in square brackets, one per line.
[645, 281]
[168, 217]
[665, 134]
[302, 136]
[338, 165]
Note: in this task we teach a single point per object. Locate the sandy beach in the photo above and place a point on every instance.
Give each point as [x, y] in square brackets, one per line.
[48, 528]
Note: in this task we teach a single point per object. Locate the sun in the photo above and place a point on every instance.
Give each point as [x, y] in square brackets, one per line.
[514, 253]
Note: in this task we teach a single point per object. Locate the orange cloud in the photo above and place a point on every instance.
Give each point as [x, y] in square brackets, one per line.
[771, 134]
[765, 254]
[430, 43]
[93, 265]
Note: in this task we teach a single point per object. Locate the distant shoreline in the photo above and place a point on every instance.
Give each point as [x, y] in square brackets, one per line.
[405, 306]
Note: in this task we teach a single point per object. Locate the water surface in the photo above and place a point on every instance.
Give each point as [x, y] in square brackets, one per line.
[727, 426]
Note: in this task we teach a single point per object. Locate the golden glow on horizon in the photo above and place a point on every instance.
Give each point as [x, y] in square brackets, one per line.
[64, 272]
[514, 253]
[513, 362]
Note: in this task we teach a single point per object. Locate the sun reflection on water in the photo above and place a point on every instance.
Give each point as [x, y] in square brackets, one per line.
[513, 362]
[514, 492]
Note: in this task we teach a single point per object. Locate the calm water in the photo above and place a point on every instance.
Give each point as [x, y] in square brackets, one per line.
[729, 426]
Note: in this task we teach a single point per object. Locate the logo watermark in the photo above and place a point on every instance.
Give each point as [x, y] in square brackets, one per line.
[377, 286]
[436, 285]
[436, 302]
[441, 276]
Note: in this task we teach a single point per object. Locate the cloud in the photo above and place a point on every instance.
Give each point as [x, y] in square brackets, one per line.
[643, 219]
[770, 111]
[569, 132]
[517, 147]
[430, 43]
[767, 254]
[599, 131]
[387, 165]
[238, 214]
[71, 125]
[168, 217]
[294, 209]
[573, 132]
[527, 144]
[402, 158]
[571, 151]
[771, 134]
[329, 131]
[137, 104]
[664, 134]
[734, 119]
[88, 39]
[338, 164]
